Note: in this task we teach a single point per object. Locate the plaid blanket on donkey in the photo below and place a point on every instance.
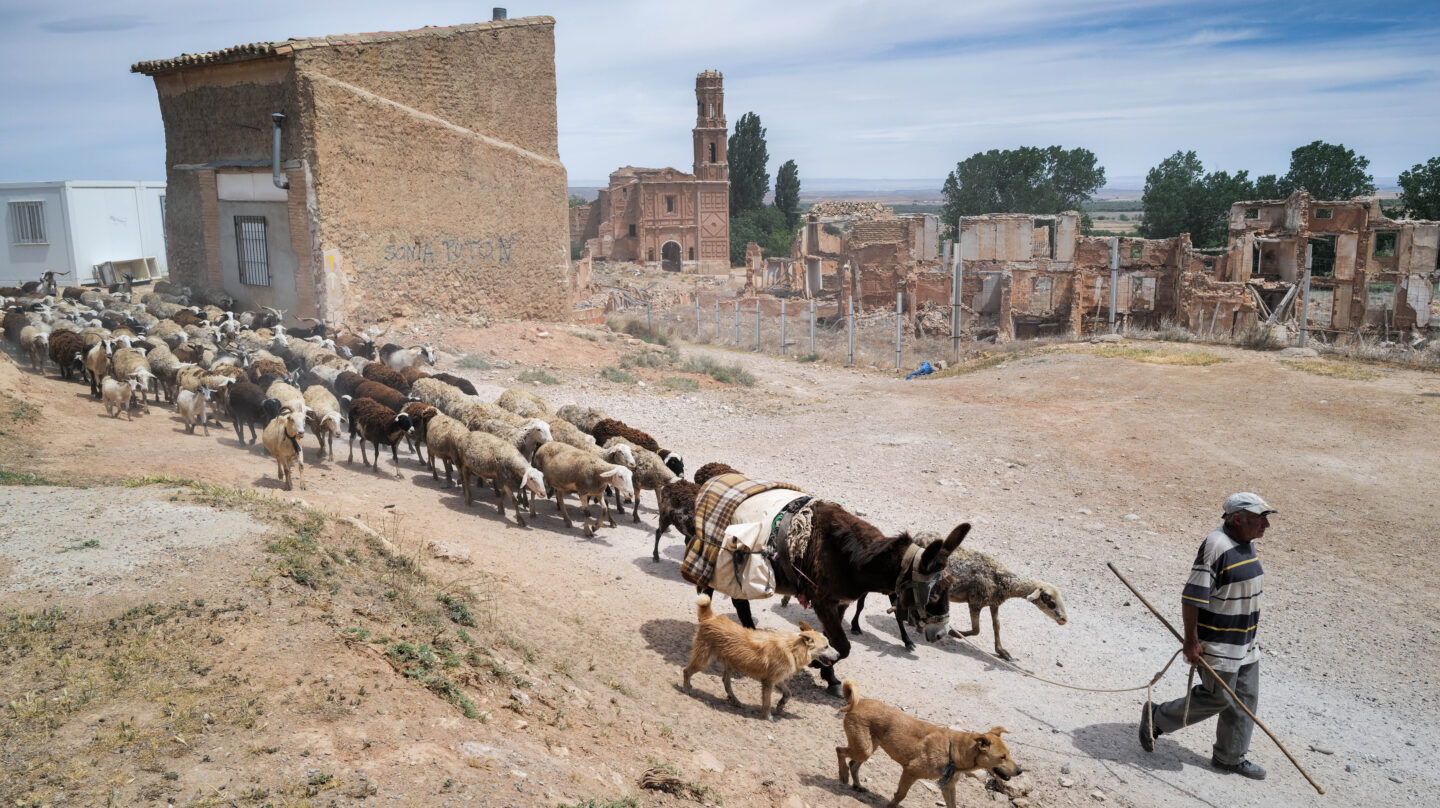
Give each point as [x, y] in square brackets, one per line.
[714, 508]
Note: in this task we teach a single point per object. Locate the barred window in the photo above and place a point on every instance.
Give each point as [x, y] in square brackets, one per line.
[27, 223]
[252, 250]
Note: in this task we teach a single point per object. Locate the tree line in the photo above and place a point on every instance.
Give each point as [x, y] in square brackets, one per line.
[1179, 196]
[771, 226]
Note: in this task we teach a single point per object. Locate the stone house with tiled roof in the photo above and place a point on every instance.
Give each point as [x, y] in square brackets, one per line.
[417, 171]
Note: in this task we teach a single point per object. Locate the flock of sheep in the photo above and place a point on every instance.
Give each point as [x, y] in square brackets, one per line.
[209, 362]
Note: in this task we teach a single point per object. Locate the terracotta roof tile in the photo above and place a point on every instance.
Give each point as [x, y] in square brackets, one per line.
[261, 50]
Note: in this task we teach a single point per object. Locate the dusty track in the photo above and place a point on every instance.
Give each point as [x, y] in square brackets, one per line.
[1047, 455]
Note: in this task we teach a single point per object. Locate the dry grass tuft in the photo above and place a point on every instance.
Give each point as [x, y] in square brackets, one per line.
[1333, 369]
[1158, 356]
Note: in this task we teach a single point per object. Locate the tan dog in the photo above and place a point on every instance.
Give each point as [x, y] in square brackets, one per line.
[772, 657]
[923, 750]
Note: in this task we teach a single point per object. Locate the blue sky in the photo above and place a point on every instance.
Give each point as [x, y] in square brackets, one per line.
[846, 88]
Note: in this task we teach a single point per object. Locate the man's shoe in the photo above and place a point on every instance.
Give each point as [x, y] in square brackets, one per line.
[1147, 727]
[1244, 768]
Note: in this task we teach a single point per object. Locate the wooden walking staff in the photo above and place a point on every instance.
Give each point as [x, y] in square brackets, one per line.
[1235, 698]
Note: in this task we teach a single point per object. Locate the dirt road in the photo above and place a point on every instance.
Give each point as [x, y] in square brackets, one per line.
[1064, 460]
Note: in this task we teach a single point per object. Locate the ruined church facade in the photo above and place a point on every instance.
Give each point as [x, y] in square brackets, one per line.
[667, 218]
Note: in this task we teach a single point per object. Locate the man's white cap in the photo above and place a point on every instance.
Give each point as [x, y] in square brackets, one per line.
[1246, 501]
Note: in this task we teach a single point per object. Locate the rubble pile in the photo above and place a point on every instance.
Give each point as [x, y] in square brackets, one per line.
[851, 209]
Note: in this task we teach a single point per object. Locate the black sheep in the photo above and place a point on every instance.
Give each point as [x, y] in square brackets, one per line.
[247, 406]
[372, 421]
[67, 351]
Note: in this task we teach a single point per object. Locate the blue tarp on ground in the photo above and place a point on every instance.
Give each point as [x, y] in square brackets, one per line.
[923, 370]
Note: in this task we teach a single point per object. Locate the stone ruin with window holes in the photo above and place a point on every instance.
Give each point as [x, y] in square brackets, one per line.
[1025, 276]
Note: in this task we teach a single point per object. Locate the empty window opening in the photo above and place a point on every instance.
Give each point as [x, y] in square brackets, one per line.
[1135, 250]
[712, 151]
[650, 255]
[692, 254]
[1322, 257]
[669, 204]
[1385, 244]
[1252, 213]
[712, 109]
[27, 223]
[1324, 213]
[252, 250]
[632, 230]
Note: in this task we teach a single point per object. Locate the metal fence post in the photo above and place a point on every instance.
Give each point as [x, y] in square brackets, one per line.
[757, 325]
[899, 324]
[649, 321]
[717, 322]
[1305, 301]
[737, 324]
[812, 326]
[850, 326]
[955, 299]
[782, 327]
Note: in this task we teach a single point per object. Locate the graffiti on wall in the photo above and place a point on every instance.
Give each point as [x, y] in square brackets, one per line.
[451, 250]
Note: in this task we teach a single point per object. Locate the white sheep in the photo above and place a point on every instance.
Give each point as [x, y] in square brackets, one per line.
[323, 414]
[525, 404]
[282, 440]
[651, 473]
[489, 457]
[445, 438]
[583, 417]
[117, 395]
[192, 406]
[569, 470]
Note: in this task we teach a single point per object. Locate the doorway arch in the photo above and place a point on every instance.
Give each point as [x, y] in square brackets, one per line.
[670, 256]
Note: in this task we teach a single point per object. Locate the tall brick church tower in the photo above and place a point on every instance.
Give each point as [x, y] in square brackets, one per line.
[712, 172]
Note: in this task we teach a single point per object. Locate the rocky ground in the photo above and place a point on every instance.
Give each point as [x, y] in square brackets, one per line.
[1064, 458]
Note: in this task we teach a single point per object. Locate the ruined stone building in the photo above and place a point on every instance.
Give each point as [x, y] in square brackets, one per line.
[417, 171]
[1369, 273]
[667, 218]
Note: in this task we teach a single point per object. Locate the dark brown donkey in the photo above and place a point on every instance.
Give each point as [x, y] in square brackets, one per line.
[847, 557]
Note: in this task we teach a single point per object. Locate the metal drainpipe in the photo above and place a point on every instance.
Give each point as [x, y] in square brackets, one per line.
[278, 119]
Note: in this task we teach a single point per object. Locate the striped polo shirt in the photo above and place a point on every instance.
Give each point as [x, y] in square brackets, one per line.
[1225, 585]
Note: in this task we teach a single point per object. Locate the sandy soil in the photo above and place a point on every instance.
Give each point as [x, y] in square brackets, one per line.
[1064, 460]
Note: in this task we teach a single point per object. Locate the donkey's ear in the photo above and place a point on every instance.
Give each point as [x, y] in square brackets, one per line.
[957, 535]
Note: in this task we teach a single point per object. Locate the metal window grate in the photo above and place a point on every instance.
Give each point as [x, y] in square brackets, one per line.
[27, 223]
[252, 251]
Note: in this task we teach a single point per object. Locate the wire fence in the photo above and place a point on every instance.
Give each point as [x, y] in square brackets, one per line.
[799, 329]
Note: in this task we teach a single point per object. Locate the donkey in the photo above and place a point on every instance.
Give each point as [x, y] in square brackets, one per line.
[847, 557]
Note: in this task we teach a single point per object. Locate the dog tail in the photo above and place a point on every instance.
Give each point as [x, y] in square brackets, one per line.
[702, 604]
[851, 696]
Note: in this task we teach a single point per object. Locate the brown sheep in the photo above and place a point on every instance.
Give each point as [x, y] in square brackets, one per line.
[460, 382]
[346, 383]
[67, 351]
[261, 368]
[677, 508]
[413, 374]
[389, 396]
[705, 472]
[611, 428]
[377, 372]
[372, 421]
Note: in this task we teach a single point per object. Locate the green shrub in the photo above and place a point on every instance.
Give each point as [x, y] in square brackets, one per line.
[538, 376]
[473, 362]
[680, 383]
[725, 374]
[615, 374]
[810, 357]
